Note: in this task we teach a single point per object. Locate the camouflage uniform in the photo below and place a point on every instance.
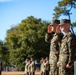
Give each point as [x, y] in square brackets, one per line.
[47, 66]
[29, 68]
[54, 39]
[48, 37]
[41, 66]
[32, 67]
[66, 55]
[26, 67]
[44, 68]
[54, 53]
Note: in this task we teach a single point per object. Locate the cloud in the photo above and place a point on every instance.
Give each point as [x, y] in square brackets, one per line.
[5, 0]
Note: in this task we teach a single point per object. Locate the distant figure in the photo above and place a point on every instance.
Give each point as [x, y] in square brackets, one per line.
[26, 66]
[42, 68]
[29, 67]
[32, 66]
[47, 66]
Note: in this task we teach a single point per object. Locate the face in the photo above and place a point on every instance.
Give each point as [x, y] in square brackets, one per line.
[62, 28]
[65, 27]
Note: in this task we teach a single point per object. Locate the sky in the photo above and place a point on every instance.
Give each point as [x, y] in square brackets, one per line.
[12, 12]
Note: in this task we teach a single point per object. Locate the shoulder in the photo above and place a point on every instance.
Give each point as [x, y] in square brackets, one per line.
[60, 35]
[70, 33]
[70, 36]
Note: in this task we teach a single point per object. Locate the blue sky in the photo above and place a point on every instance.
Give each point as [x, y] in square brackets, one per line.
[12, 12]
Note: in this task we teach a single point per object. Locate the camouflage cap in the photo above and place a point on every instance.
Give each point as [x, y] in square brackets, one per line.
[55, 22]
[63, 21]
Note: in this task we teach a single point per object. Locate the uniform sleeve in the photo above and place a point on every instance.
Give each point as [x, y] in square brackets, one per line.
[48, 37]
[60, 35]
[69, 42]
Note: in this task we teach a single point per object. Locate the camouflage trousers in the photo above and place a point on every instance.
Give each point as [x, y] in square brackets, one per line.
[32, 73]
[43, 73]
[66, 71]
[27, 73]
[62, 67]
[53, 64]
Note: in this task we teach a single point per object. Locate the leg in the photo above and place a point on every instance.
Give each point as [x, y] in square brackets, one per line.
[32, 73]
[70, 71]
[62, 68]
[53, 65]
[47, 72]
[41, 73]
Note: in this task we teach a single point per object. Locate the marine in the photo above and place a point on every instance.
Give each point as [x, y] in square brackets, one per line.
[66, 54]
[54, 46]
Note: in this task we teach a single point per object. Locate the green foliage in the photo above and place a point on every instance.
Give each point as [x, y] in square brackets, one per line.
[27, 40]
[64, 7]
[58, 12]
[74, 23]
[3, 53]
[1, 48]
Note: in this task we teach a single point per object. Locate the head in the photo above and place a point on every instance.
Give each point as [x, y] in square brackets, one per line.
[54, 24]
[46, 58]
[41, 61]
[26, 60]
[32, 59]
[29, 61]
[42, 58]
[65, 25]
[44, 61]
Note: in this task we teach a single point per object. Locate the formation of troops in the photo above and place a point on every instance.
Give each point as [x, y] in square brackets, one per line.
[62, 51]
[45, 67]
[30, 67]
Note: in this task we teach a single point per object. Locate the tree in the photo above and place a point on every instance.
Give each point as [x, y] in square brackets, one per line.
[74, 24]
[1, 48]
[64, 7]
[3, 54]
[27, 40]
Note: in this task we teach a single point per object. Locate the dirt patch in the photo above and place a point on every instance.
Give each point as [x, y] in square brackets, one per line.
[17, 73]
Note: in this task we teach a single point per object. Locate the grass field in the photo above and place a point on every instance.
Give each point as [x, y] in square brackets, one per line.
[17, 73]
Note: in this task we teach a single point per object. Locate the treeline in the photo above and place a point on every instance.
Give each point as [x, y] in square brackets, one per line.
[26, 39]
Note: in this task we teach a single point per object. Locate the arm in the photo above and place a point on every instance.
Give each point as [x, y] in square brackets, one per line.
[70, 48]
[48, 36]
